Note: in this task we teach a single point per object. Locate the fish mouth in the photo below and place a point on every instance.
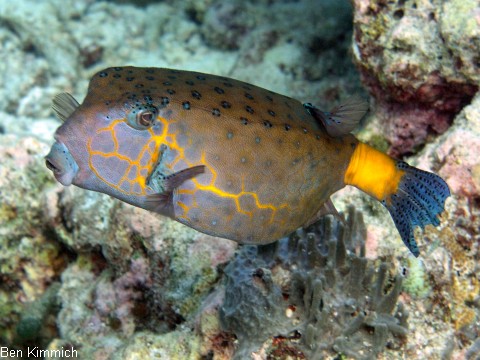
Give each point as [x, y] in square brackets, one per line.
[62, 164]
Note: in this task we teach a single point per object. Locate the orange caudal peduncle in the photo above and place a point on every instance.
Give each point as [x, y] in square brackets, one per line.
[373, 172]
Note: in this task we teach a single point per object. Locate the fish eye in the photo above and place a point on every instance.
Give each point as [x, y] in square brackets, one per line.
[145, 118]
[142, 117]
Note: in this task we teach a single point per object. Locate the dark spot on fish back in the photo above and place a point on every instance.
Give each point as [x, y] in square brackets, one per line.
[196, 94]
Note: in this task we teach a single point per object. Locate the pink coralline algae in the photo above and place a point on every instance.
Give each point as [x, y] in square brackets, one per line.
[457, 153]
[462, 175]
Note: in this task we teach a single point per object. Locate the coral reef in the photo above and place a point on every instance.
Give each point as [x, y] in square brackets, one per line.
[317, 283]
[420, 61]
[473, 351]
[30, 260]
[226, 24]
[454, 153]
[135, 285]
[132, 277]
[416, 282]
[37, 321]
[254, 308]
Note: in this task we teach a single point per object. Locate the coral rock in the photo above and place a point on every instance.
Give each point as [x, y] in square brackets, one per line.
[420, 61]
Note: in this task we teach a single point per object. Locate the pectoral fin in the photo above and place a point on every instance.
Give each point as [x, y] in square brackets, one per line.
[163, 202]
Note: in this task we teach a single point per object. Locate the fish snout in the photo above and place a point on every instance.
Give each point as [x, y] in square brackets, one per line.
[61, 162]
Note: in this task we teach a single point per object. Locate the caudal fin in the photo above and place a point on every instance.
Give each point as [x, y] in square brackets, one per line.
[412, 196]
[419, 199]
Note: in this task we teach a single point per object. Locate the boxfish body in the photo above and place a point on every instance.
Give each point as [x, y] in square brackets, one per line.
[222, 156]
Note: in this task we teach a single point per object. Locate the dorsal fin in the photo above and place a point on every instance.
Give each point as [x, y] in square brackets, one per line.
[63, 105]
[342, 119]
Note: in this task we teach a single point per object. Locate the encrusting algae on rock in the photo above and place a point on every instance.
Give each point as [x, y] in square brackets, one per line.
[157, 139]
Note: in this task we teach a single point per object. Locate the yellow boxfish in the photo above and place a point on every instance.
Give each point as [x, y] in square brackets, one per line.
[228, 158]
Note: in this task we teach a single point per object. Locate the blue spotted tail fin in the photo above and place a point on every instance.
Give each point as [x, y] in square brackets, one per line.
[419, 199]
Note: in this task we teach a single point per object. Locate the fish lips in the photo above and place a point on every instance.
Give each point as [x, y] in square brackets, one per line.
[61, 162]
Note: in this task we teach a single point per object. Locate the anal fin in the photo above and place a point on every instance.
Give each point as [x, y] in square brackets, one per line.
[327, 209]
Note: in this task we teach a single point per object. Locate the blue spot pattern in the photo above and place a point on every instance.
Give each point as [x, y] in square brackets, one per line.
[419, 199]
